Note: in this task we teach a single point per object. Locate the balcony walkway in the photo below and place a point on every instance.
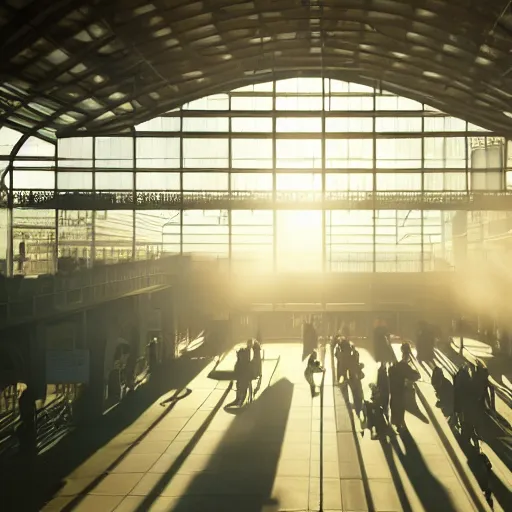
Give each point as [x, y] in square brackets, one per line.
[27, 299]
[251, 200]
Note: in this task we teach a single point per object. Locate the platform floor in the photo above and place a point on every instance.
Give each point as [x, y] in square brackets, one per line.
[196, 455]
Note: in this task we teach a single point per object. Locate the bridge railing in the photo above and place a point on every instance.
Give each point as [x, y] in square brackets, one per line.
[22, 299]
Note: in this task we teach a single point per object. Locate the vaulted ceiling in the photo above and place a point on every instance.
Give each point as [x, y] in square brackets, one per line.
[69, 66]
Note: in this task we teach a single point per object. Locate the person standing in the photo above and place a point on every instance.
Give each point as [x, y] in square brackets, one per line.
[400, 375]
[313, 367]
[27, 430]
[242, 375]
[343, 354]
[383, 388]
[256, 361]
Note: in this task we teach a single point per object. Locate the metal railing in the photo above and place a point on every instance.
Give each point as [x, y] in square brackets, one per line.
[22, 299]
[96, 200]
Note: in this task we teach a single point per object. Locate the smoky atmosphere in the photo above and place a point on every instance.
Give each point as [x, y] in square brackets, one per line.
[255, 256]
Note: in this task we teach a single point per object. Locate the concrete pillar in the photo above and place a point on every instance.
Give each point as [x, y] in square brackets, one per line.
[95, 324]
[36, 367]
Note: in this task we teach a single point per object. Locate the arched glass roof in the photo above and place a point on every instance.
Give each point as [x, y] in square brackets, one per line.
[70, 66]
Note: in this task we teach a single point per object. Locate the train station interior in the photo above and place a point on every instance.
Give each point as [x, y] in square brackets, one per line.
[255, 256]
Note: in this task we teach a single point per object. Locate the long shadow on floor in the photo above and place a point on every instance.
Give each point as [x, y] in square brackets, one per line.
[412, 407]
[429, 490]
[240, 474]
[491, 433]
[30, 486]
[399, 486]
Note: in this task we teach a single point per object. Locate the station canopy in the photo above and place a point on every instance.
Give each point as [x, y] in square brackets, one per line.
[101, 66]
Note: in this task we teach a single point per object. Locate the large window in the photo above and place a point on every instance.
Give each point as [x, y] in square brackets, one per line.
[161, 152]
[251, 153]
[114, 152]
[294, 175]
[252, 240]
[349, 153]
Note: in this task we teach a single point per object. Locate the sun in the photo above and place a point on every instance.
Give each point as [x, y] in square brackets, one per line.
[299, 240]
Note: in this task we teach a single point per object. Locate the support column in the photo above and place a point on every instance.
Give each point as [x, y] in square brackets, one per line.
[169, 323]
[96, 343]
[466, 147]
[504, 165]
[37, 359]
[93, 219]
[422, 265]
[181, 183]
[56, 248]
[10, 236]
[82, 343]
[56, 191]
[274, 180]
[134, 198]
[324, 237]
[374, 187]
[230, 239]
[230, 175]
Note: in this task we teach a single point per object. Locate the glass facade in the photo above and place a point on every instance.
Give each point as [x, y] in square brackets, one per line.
[299, 138]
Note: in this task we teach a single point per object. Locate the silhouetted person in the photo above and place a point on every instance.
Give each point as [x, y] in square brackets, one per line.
[242, 375]
[342, 353]
[466, 403]
[355, 376]
[256, 366]
[312, 367]
[381, 347]
[484, 391]
[443, 388]
[256, 362]
[22, 255]
[399, 375]
[374, 412]
[27, 431]
[383, 388]
[129, 370]
[461, 388]
[152, 359]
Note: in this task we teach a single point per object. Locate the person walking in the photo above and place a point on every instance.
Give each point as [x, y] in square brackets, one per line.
[343, 354]
[401, 374]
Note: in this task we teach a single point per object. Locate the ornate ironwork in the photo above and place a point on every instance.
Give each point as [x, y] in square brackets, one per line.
[125, 200]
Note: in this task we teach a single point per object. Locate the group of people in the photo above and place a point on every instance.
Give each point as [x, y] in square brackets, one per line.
[471, 397]
[391, 393]
[392, 389]
[348, 366]
[248, 368]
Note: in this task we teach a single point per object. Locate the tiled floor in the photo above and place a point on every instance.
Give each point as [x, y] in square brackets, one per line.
[265, 458]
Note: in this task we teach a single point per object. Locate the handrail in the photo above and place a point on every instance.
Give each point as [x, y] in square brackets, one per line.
[122, 199]
[34, 298]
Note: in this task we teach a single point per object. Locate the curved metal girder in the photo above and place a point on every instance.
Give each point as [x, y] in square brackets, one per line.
[453, 57]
